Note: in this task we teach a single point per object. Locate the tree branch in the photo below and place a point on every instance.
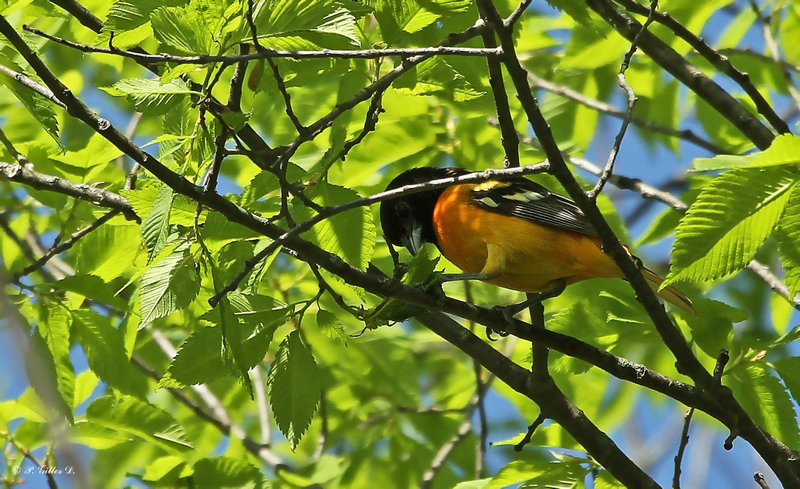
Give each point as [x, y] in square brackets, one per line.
[40, 181]
[685, 72]
[719, 62]
[267, 53]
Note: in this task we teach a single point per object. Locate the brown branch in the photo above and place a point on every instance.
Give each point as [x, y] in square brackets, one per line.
[727, 106]
[777, 455]
[41, 181]
[27, 82]
[267, 53]
[720, 62]
[626, 120]
[685, 134]
[508, 134]
[65, 245]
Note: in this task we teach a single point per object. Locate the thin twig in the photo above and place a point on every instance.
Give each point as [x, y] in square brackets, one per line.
[720, 62]
[28, 82]
[444, 453]
[44, 467]
[605, 108]
[287, 99]
[631, 97]
[89, 193]
[267, 53]
[769, 40]
[529, 434]
[676, 474]
[65, 245]
[760, 480]
[222, 423]
[508, 133]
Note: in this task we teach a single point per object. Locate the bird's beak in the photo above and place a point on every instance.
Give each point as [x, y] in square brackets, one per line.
[412, 238]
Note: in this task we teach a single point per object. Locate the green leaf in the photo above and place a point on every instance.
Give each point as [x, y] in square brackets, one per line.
[45, 378]
[105, 352]
[109, 251]
[143, 199]
[96, 436]
[329, 325]
[126, 15]
[789, 242]
[54, 329]
[155, 225]
[149, 95]
[435, 76]
[722, 162]
[301, 18]
[41, 108]
[730, 220]
[167, 470]
[350, 234]
[539, 473]
[294, 388]
[181, 29]
[409, 16]
[221, 472]
[141, 419]
[789, 370]
[766, 400]
[199, 359]
[784, 150]
[170, 284]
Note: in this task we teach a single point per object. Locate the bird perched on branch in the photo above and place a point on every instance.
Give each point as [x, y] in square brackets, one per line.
[513, 233]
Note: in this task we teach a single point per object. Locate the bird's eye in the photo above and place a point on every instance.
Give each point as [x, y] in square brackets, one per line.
[403, 210]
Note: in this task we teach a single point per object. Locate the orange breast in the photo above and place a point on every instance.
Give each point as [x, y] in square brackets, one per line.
[529, 257]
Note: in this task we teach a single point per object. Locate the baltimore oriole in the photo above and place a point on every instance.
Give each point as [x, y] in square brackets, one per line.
[513, 233]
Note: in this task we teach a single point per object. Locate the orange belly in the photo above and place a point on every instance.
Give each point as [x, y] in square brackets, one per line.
[529, 257]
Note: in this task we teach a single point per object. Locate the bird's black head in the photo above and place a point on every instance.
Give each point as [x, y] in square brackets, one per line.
[408, 220]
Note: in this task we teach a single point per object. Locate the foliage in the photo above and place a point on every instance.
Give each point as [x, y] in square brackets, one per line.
[210, 316]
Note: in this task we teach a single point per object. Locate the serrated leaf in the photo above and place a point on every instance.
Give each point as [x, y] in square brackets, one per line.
[766, 400]
[142, 199]
[722, 162]
[54, 329]
[149, 95]
[276, 18]
[410, 16]
[42, 109]
[434, 76]
[350, 234]
[294, 388]
[732, 217]
[789, 370]
[42, 372]
[167, 470]
[789, 242]
[106, 353]
[199, 359]
[181, 29]
[155, 225]
[96, 436]
[138, 418]
[539, 473]
[126, 15]
[217, 472]
[329, 325]
[169, 284]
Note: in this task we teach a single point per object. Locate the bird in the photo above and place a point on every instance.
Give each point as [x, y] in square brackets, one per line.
[513, 233]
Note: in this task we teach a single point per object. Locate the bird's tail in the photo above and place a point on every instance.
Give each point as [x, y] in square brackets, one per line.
[670, 294]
